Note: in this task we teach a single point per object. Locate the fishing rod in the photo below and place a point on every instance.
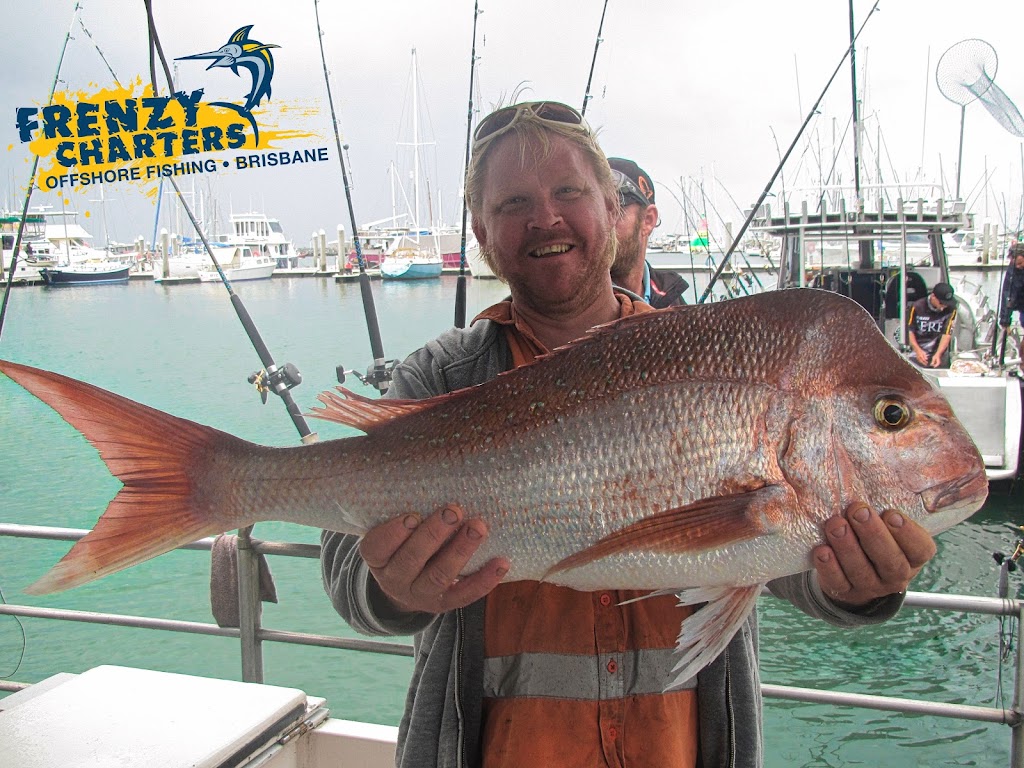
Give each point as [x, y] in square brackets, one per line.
[460, 287]
[32, 182]
[593, 62]
[378, 375]
[768, 187]
[279, 380]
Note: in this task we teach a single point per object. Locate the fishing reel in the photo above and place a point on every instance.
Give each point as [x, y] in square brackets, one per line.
[278, 380]
[377, 376]
[1008, 564]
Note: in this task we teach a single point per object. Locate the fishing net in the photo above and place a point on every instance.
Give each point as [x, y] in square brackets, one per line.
[966, 72]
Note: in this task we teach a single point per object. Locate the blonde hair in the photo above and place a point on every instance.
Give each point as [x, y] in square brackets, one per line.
[531, 130]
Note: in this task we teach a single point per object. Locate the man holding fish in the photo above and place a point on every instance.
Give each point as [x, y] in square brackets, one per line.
[528, 672]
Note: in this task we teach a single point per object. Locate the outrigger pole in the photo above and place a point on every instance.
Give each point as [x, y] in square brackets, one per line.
[279, 380]
[792, 146]
[32, 182]
[379, 373]
[460, 288]
[593, 61]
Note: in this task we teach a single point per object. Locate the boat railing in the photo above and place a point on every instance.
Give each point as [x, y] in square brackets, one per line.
[252, 635]
[857, 221]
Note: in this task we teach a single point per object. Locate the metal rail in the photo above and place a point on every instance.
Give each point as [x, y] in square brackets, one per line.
[252, 657]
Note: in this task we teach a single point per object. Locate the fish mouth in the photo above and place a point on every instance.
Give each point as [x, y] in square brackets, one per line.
[963, 492]
[551, 249]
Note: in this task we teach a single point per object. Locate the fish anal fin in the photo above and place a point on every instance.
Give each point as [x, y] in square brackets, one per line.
[365, 413]
[706, 632]
[697, 527]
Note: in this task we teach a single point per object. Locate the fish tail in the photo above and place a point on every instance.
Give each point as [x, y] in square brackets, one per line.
[154, 454]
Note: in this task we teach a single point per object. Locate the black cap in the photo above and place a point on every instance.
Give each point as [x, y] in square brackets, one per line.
[636, 174]
[944, 293]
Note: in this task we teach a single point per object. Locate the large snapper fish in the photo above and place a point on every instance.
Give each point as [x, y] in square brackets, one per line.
[696, 450]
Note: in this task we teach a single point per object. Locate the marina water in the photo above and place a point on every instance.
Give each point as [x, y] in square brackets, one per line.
[181, 349]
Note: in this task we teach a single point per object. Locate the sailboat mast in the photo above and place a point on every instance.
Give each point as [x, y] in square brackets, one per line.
[856, 119]
[865, 247]
[415, 144]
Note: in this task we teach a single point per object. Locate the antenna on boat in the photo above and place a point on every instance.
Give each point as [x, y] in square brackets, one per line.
[279, 380]
[460, 286]
[32, 181]
[379, 373]
[768, 187]
[593, 61]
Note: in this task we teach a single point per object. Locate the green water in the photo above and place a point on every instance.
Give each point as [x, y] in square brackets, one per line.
[182, 350]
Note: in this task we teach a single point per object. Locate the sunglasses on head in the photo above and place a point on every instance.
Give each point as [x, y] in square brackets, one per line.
[629, 192]
[502, 120]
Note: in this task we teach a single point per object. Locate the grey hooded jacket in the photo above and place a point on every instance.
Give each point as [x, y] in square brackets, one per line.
[441, 724]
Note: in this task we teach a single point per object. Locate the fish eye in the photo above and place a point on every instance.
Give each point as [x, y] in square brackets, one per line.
[891, 413]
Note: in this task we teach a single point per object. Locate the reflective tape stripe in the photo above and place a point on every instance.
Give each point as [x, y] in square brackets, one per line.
[584, 678]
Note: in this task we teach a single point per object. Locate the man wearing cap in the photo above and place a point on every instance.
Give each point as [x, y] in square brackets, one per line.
[630, 270]
[930, 326]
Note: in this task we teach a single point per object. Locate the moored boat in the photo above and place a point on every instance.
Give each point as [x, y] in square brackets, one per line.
[264, 234]
[245, 263]
[35, 253]
[410, 264]
[100, 272]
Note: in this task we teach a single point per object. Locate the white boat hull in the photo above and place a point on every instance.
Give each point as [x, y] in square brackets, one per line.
[236, 274]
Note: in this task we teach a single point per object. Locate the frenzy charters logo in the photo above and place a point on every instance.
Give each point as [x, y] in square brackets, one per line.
[129, 134]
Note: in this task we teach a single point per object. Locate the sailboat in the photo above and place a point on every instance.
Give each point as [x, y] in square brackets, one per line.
[77, 262]
[415, 254]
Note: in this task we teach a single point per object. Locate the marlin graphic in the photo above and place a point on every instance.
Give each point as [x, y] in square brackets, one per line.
[242, 51]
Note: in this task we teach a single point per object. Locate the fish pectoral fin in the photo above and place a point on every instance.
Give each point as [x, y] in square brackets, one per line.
[697, 527]
[706, 632]
[365, 413]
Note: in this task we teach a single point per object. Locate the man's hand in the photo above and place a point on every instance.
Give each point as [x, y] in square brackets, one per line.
[417, 562]
[868, 556]
[922, 358]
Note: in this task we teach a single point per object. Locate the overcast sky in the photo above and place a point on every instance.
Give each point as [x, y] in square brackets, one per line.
[711, 91]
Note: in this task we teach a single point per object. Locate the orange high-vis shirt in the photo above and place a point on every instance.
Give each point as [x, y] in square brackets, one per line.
[576, 678]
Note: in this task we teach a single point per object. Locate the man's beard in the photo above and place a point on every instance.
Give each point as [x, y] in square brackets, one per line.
[627, 255]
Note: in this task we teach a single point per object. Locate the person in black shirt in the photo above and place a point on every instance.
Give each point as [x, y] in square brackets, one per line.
[930, 326]
[658, 287]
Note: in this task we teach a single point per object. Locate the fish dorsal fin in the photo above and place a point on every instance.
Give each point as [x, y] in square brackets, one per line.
[366, 413]
[696, 527]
